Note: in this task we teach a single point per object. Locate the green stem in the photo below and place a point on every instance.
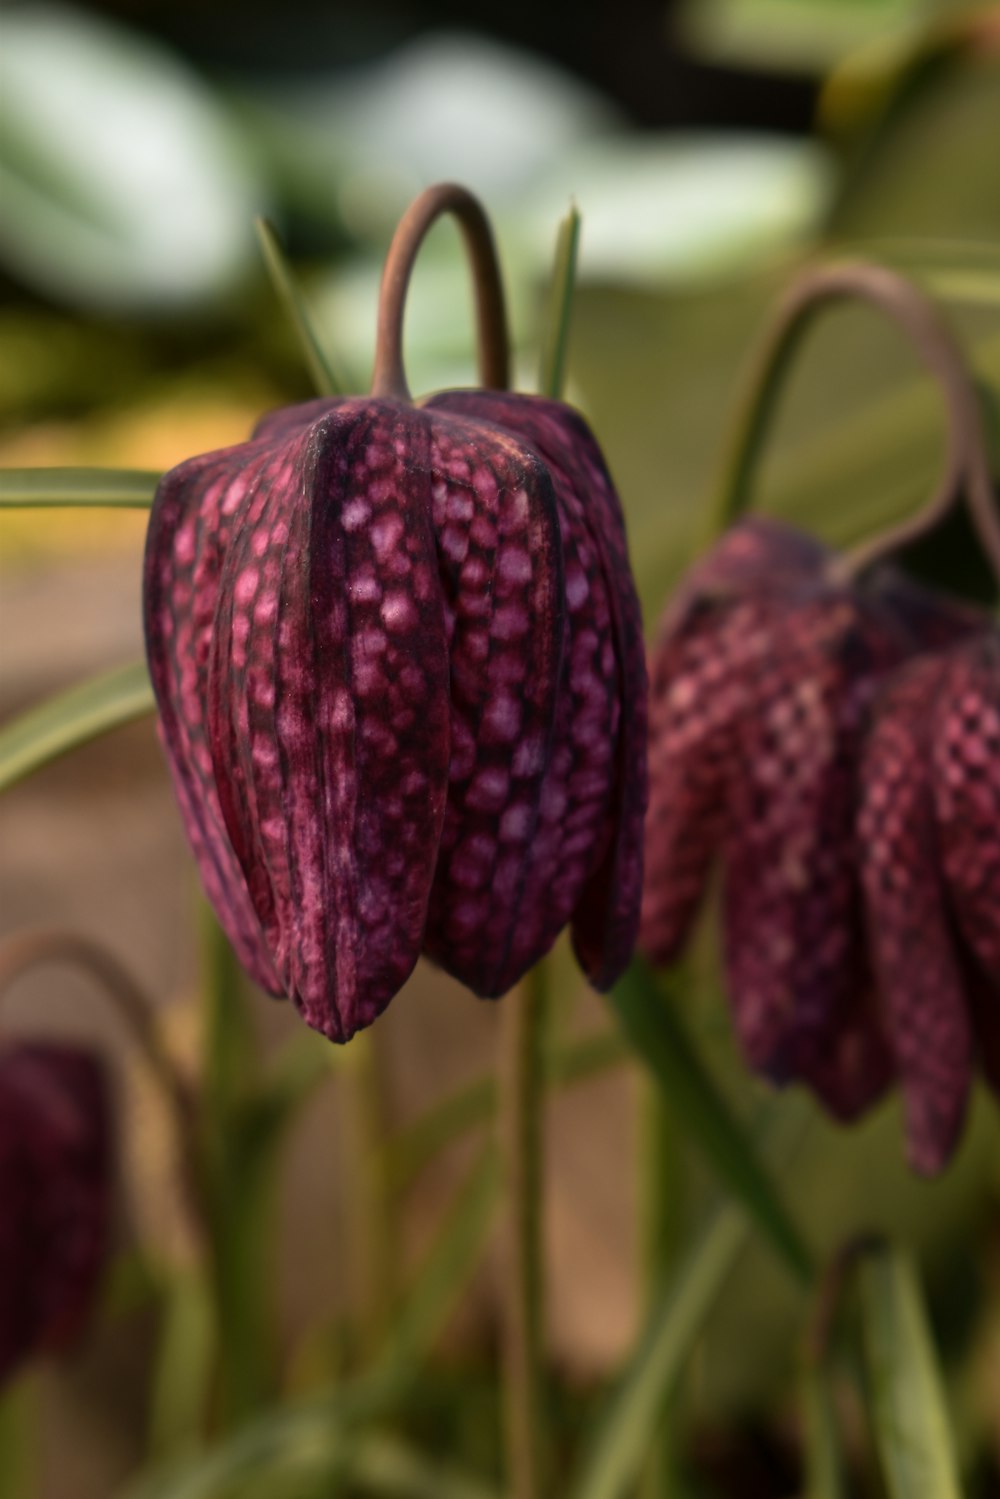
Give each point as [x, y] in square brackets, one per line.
[476, 1104]
[930, 336]
[283, 280]
[521, 1110]
[372, 1196]
[552, 370]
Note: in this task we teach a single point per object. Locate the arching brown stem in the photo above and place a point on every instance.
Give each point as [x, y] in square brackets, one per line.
[26, 951]
[389, 378]
[966, 468]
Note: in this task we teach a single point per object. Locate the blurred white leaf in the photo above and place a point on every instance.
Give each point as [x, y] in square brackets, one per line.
[122, 182]
[448, 105]
[684, 206]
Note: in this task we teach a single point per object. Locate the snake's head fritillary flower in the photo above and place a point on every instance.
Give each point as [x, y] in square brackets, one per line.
[929, 838]
[397, 658]
[762, 681]
[55, 1191]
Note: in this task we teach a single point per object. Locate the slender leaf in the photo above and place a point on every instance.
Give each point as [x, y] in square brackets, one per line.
[651, 1026]
[323, 1428]
[824, 1471]
[183, 1368]
[286, 286]
[381, 1464]
[119, 488]
[624, 1437]
[73, 718]
[552, 373]
[906, 1399]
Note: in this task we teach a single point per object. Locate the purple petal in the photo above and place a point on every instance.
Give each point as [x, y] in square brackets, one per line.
[918, 967]
[329, 706]
[500, 565]
[189, 531]
[590, 847]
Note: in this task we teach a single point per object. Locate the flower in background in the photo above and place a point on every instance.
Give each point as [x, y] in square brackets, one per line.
[929, 837]
[397, 657]
[763, 680]
[55, 1196]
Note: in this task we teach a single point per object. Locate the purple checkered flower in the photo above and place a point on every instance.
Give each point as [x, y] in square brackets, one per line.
[761, 688]
[55, 1191]
[929, 835]
[397, 657]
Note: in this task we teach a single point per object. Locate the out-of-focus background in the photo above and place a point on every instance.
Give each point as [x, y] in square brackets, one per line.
[711, 147]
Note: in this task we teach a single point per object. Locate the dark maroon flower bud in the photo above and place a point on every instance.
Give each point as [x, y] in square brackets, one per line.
[55, 1196]
[762, 680]
[397, 657]
[929, 836]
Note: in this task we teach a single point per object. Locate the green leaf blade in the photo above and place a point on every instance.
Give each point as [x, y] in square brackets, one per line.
[73, 718]
[653, 1030]
[48, 488]
[907, 1406]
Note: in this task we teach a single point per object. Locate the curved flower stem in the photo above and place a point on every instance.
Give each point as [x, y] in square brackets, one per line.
[965, 466]
[521, 1107]
[20, 953]
[389, 378]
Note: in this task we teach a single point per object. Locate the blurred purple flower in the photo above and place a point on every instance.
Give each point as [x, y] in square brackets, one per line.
[55, 1196]
[929, 835]
[397, 656]
[763, 677]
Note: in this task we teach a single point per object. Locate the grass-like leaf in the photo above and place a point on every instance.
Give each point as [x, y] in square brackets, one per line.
[623, 1438]
[322, 1430]
[905, 1394]
[823, 1467]
[552, 371]
[117, 488]
[651, 1026]
[73, 718]
[284, 282]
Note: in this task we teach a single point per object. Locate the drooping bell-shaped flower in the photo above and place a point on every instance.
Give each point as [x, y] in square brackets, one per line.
[55, 1196]
[929, 840]
[397, 656]
[761, 685]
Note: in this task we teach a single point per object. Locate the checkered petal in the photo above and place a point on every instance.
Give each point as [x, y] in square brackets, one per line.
[965, 754]
[918, 963]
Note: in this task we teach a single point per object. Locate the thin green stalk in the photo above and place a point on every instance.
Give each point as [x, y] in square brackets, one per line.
[659, 1201]
[521, 1109]
[283, 279]
[117, 488]
[555, 343]
[371, 1196]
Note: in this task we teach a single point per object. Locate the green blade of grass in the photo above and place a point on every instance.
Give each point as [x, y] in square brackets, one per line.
[72, 718]
[823, 1468]
[650, 1024]
[283, 279]
[324, 1426]
[624, 1436]
[118, 488]
[555, 342]
[906, 1398]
